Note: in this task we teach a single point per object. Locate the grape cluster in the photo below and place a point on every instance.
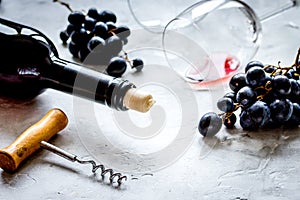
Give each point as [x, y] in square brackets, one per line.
[267, 96]
[96, 33]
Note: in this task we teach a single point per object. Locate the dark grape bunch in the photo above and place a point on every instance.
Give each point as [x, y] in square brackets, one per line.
[268, 96]
[97, 34]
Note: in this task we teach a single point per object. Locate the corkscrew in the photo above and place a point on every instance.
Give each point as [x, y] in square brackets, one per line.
[36, 137]
[71, 157]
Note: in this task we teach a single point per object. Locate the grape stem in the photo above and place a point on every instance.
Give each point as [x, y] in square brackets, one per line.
[280, 69]
[67, 5]
[127, 58]
[267, 87]
[226, 115]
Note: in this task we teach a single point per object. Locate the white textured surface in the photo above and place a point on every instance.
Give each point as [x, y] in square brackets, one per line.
[237, 165]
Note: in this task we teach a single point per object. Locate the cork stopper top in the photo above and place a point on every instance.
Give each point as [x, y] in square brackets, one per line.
[137, 100]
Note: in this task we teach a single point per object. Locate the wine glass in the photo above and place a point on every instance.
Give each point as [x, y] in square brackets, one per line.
[154, 15]
[217, 37]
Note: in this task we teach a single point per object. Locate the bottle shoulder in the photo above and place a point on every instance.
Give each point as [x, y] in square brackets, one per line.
[22, 61]
[23, 56]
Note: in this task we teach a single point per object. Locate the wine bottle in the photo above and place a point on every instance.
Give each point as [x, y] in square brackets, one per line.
[29, 65]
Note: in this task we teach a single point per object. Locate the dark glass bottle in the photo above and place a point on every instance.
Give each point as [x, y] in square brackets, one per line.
[28, 66]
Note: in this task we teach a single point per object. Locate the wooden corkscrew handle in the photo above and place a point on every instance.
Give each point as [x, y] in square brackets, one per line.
[29, 141]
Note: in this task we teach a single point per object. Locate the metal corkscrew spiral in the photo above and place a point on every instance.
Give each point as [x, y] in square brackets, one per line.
[71, 157]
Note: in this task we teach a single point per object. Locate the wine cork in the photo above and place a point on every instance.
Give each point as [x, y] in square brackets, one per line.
[137, 100]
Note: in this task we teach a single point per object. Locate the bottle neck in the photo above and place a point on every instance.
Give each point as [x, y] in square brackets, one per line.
[89, 84]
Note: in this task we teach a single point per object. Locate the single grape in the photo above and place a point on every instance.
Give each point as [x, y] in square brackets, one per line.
[225, 104]
[281, 110]
[253, 64]
[246, 96]
[231, 95]
[116, 67]
[64, 36]
[282, 85]
[114, 45]
[122, 31]
[74, 49]
[79, 37]
[96, 43]
[237, 82]
[230, 120]
[210, 124]
[83, 53]
[107, 16]
[295, 117]
[70, 29]
[292, 74]
[246, 121]
[100, 29]
[255, 77]
[76, 18]
[295, 88]
[260, 113]
[93, 13]
[89, 23]
[138, 64]
[111, 26]
[270, 69]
